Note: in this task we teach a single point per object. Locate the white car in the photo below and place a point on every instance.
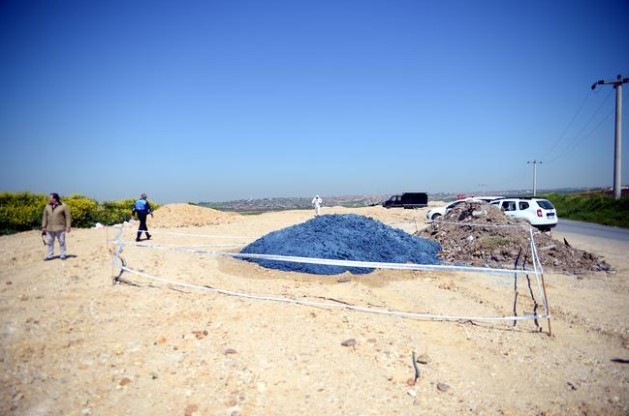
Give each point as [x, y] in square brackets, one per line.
[539, 212]
[437, 212]
[485, 198]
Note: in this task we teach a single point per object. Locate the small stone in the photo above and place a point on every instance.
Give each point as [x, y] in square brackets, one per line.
[229, 351]
[443, 387]
[411, 381]
[344, 279]
[125, 381]
[349, 342]
[199, 334]
[422, 359]
[190, 409]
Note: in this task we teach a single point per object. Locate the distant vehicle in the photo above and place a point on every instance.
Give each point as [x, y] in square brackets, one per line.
[437, 212]
[408, 200]
[539, 212]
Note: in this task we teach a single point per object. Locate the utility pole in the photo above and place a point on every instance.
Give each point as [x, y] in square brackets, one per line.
[618, 136]
[534, 163]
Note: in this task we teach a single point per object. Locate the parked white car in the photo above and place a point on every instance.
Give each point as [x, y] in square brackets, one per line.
[437, 212]
[486, 198]
[539, 212]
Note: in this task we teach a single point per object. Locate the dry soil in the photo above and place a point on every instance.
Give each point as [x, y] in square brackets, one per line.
[73, 343]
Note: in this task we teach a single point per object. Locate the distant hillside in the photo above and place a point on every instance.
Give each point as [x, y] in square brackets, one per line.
[288, 203]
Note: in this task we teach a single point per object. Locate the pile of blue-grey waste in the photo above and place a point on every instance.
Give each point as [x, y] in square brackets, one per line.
[342, 237]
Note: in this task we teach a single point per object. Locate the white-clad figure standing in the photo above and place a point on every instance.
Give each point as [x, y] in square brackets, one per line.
[316, 202]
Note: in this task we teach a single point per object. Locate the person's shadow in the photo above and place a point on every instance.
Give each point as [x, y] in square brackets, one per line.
[58, 257]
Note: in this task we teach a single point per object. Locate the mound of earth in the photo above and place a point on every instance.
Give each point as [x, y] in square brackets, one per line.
[186, 215]
[343, 237]
[480, 234]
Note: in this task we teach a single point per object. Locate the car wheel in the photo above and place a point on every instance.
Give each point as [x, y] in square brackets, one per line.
[435, 217]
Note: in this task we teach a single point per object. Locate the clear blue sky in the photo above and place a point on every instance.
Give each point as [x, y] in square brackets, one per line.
[221, 100]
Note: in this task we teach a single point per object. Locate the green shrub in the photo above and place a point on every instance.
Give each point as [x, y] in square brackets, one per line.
[596, 208]
[82, 209]
[23, 211]
[20, 211]
[115, 212]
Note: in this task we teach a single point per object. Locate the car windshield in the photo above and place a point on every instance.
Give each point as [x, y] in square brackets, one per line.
[543, 203]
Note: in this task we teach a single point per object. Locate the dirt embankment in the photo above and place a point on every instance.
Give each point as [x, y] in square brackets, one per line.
[482, 235]
[186, 215]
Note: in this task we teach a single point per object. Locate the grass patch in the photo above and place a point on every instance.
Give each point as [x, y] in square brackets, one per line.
[492, 242]
[594, 207]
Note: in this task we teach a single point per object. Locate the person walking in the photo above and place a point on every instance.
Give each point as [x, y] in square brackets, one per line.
[316, 202]
[142, 208]
[56, 223]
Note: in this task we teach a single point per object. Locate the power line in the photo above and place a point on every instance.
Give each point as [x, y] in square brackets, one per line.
[568, 148]
[574, 138]
[574, 117]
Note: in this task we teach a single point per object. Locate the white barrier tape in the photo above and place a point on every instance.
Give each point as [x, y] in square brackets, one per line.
[158, 232]
[175, 247]
[346, 263]
[204, 235]
[121, 265]
[538, 264]
[378, 311]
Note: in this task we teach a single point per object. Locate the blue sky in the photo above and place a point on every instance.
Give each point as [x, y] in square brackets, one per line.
[221, 100]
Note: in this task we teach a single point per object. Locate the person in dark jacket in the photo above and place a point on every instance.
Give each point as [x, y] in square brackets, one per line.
[142, 209]
[56, 223]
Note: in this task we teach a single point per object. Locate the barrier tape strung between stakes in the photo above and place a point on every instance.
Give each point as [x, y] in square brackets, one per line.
[337, 262]
[379, 311]
[120, 264]
[536, 265]
[194, 235]
[539, 277]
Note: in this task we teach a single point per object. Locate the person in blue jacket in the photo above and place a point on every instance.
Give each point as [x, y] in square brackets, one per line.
[142, 209]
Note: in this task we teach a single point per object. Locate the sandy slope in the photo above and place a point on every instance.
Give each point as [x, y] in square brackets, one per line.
[74, 344]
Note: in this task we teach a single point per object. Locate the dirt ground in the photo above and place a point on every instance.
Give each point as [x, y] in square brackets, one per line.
[73, 343]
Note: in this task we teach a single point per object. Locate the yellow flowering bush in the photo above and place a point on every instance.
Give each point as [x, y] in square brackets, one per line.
[22, 211]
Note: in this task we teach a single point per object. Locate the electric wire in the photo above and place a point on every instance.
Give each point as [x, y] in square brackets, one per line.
[550, 157]
[574, 117]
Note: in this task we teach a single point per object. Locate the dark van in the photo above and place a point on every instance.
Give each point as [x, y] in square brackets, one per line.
[408, 200]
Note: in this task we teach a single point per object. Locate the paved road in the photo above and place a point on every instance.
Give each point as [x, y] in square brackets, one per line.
[593, 230]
